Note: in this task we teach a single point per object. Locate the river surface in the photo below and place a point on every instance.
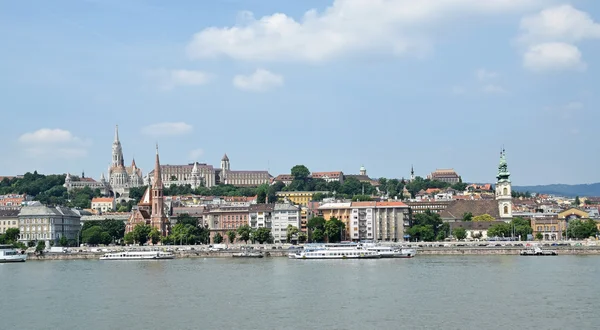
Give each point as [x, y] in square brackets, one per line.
[426, 292]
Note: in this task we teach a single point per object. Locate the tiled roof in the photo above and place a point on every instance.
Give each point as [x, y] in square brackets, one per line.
[262, 207]
[6, 213]
[103, 200]
[391, 204]
[334, 174]
[457, 208]
[363, 204]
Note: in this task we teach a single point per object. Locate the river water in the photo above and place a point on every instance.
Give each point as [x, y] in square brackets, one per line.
[426, 292]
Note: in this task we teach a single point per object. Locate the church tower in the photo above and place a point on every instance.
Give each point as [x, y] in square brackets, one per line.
[363, 170]
[224, 168]
[195, 177]
[117, 150]
[503, 189]
[412, 173]
[158, 219]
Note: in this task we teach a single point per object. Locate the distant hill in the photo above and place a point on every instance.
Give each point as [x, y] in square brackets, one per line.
[568, 190]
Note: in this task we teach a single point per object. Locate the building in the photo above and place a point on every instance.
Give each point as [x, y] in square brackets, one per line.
[286, 179]
[503, 189]
[573, 214]
[550, 228]
[120, 177]
[422, 206]
[475, 229]
[362, 222]
[261, 215]
[9, 218]
[199, 212]
[392, 219]
[298, 197]
[284, 214]
[362, 177]
[329, 176]
[200, 174]
[223, 219]
[13, 200]
[44, 223]
[445, 175]
[340, 211]
[104, 204]
[151, 208]
[458, 208]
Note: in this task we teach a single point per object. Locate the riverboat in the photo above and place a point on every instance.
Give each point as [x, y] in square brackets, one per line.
[138, 255]
[537, 251]
[334, 251]
[10, 254]
[391, 252]
[246, 253]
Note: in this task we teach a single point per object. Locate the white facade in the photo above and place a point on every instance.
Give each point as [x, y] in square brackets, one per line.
[284, 215]
[8, 219]
[390, 223]
[42, 223]
[504, 189]
[261, 215]
[104, 204]
[362, 226]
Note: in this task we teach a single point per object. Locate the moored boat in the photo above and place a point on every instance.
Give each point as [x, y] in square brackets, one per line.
[246, 253]
[10, 254]
[138, 255]
[334, 251]
[391, 252]
[537, 251]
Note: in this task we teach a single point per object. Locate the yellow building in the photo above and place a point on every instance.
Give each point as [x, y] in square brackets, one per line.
[340, 211]
[298, 197]
[572, 214]
[552, 229]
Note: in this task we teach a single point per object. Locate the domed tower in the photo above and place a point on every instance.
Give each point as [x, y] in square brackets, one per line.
[503, 189]
[363, 170]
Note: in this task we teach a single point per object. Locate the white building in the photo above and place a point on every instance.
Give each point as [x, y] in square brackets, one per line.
[503, 189]
[43, 223]
[104, 204]
[283, 215]
[362, 226]
[261, 215]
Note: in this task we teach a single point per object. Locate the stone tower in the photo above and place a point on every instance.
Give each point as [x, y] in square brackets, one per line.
[117, 150]
[225, 166]
[503, 189]
[158, 218]
[363, 170]
[195, 177]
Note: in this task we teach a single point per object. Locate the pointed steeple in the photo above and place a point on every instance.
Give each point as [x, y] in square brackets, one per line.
[225, 158]
[195, 168]
[117, 133]
[157, 181]
[503, 173]
[133, 163]
[102, 178]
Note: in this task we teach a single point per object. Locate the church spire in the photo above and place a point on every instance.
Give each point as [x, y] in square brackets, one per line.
[157, 181]
[117, 133]
[503, 173]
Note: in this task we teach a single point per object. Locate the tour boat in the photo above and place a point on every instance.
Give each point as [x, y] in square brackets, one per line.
[138, 255]
[391, 252]
[246, 253]
[10, 254]
[334, 251]
[537, 251]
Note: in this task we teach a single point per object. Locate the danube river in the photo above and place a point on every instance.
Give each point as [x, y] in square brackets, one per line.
[427, 292]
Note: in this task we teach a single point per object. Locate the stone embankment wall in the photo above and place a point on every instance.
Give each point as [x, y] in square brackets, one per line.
[561, 250]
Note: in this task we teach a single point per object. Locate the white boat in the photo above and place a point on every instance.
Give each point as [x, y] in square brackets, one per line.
[10, 254]
[334, 251]
[392, 252]
[537, 251]
[246, 253]
[138, 255]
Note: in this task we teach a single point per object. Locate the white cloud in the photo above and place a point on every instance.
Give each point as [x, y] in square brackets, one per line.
[561, 23]
[483, 74]
[259, 81]
[549, 38]
[166, 129]
[53, 143]
[493, 89]
[170, 79]
[196, 154]
[553, 56]
[385, 26]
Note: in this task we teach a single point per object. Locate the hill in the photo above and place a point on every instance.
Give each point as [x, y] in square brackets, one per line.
[568, 190]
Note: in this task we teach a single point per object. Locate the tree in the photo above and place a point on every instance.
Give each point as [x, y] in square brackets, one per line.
[231, 234]
[40, 247]
[154, 235]
[521, 227]
[11, 234]
[300, 172]
[244, 233]
[500, 230]
[581, 229]
[141, 232]
[263, 235]
[291, 231]
[428, 226]
[105, 238]
[129, 238]
[467, 216]
[484, 217]
[302, 237]
[333, 230]
[577, 201]
[459, 233]
[92, 236]
[316, 222]
[539, 236]
[186, 219]
[318, 235]
[30, 243]
[218, 239]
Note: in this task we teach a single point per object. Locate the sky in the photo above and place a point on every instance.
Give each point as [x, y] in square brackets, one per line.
[329, 84]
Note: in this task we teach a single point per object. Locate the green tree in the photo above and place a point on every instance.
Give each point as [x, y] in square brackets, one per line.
[12, 234]
[302, 237]
[244, 232]
[539, 236]
[500, 230]
[218, 238]
[105, 238]
[333, 230]
[129, 238]
[581, 229]
[141, 232]
[522, 227]
[40, 247]
[318, 235]
[186, 219]
[459, 233]
[428, 226]
[114, 228]
[291, 231]
[577, 201]
[316, 222]
[300, 172]
[467, 216]
[92, 236]
[154, 236]
[263, 235]
[231, 234]
[484, 218]
[30, 243]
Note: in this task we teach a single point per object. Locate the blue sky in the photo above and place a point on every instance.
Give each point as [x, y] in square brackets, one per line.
[329, 84]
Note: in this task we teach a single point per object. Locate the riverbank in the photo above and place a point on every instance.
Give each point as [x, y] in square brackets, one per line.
[438, 251]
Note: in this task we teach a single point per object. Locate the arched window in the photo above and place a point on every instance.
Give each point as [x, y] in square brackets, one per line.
[505, 191]
[505, 208]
